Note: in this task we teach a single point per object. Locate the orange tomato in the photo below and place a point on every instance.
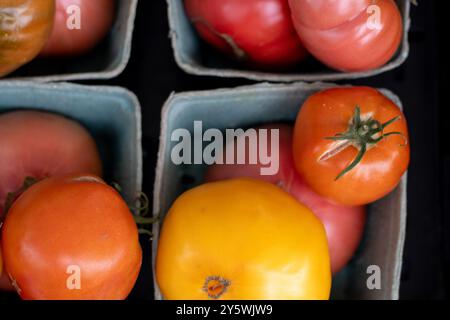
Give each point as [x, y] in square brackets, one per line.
[71, 237]
[351, 144]
[242, 239]
[25, 26]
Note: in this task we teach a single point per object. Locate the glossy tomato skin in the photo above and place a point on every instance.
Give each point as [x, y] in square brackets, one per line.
[39, 144]
[25, 26]
[96, 18]
[347, 40]
[326, 14]
[261, 31]
[328, 113]
[68, 223]
[252, 235]
[344, 225]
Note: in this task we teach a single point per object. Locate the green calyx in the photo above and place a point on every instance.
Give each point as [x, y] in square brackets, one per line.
[362, 134]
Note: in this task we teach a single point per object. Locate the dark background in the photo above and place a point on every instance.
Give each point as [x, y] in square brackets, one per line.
[421, 83]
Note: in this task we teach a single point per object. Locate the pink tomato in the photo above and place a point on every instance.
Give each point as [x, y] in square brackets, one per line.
[344, 225]
[79, 26]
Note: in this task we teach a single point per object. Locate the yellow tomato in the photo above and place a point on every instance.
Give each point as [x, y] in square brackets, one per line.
[242, 239]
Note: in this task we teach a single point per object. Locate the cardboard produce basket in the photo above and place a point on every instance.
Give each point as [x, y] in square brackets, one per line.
[250, 106]
[106, 61]
[111, 114]
[196, 57]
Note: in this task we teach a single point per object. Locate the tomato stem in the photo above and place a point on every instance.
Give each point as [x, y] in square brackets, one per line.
[362, 134]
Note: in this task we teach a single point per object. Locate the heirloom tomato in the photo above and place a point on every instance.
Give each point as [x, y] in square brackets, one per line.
[351, 144]
[79, 26]
[71, 237]
[242, 239]
[25, 26]
[37, 144]
[256, 32]
[356, 35]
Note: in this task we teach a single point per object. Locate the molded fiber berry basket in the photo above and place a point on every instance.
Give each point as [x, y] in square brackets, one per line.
[106, 61]
[250, 106]
[196, 57]
[111, 114]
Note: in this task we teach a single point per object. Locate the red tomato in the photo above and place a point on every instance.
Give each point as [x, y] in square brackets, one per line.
[71, 237]
[258, 32]
[349, 35]
[351, 144]
[344, 225]
[37, 144]
[95, 20]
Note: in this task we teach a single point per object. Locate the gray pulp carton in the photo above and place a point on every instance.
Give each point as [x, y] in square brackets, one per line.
[106, 61]
[190, 56]
[253, 105]
[111, 114]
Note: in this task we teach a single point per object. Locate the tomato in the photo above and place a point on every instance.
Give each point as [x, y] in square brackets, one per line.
[25, 26]
[242, 239]
[1, 262]
[71, 237]
[327, 14]
[344, 225]
[5, 284]
[95, 20]
[38, 145]
[258, 32]
[351, 144]
[347, 35]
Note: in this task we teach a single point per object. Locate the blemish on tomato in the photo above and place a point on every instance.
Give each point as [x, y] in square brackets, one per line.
[216, 286]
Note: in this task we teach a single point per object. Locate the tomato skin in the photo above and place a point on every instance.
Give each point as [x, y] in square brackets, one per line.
[261, 29]
[344, 225]
[71, 221]
[39, 144]
[328, 113]
[1, 262]
[23, 37]
[248, 232]
[96, 18]
[326, 14]
[352, 45]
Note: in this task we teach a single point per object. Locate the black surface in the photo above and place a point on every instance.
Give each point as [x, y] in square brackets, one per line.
[422, 85]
